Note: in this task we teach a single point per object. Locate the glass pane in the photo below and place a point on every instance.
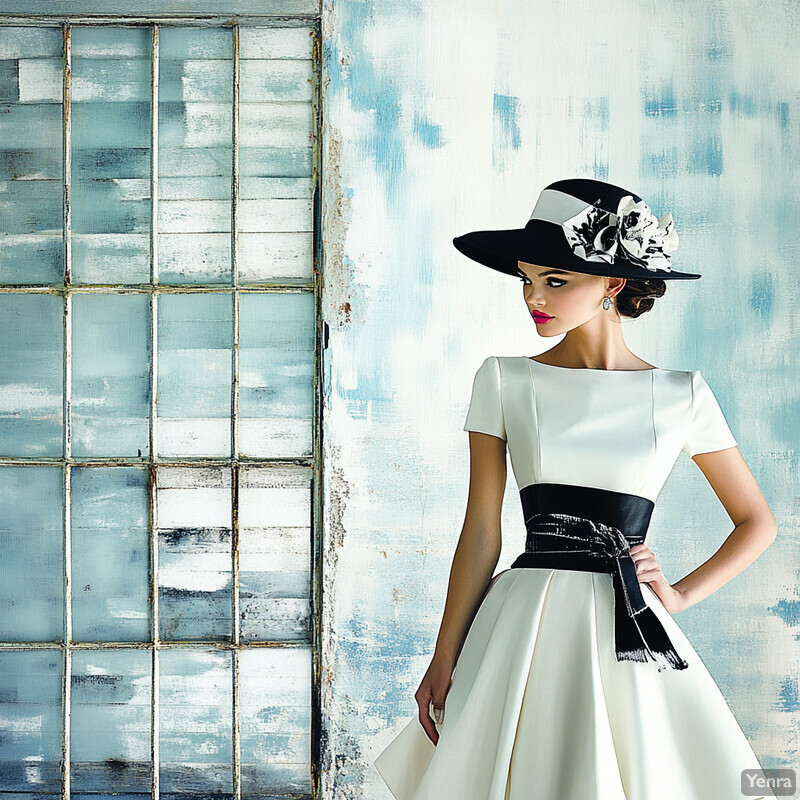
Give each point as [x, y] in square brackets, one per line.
[30, 719]
[31, 554]
[110, 555]
[195, 152]
[275, 154]
[110, 375]
[31, 171]
[194, 553]
[110, 723]
[195, 340]
[275, 554]
[31, 375]
[196, 719]
[276, 374]
[275, 701]
[111, 207]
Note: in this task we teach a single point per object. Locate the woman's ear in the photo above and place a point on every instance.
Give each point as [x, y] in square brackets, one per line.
[615, 285]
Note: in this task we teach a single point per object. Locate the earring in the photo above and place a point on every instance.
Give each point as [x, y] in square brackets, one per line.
[607, 302]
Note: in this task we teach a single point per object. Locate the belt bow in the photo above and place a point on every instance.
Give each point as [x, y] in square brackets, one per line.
[574, 542]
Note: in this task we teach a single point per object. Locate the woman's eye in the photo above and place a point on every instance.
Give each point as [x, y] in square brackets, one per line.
[526, 281]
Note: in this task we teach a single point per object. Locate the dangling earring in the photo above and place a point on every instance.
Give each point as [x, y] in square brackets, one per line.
[607, 302]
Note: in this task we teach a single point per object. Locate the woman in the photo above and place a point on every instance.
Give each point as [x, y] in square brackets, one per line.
[565, 675]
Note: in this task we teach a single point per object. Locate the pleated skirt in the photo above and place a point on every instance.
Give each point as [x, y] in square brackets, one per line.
[539, 707]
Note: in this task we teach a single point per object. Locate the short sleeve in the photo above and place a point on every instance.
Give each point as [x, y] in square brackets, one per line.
[485, 413]
[708, 428]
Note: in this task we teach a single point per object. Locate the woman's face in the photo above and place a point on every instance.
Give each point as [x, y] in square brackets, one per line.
[560, 300]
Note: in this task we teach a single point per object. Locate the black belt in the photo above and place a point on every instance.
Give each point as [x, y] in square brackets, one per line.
[592, 530]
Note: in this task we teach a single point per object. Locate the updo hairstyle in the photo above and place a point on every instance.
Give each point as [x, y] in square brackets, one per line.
[638, 296]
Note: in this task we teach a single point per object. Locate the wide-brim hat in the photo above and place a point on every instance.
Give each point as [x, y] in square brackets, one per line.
[583, 225]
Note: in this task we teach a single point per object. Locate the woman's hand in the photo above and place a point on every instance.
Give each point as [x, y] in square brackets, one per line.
[434, 687]
[648, 570]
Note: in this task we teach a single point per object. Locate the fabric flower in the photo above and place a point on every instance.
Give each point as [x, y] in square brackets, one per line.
[632, 234]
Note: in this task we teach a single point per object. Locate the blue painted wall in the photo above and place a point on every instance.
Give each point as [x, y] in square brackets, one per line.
[446, 117]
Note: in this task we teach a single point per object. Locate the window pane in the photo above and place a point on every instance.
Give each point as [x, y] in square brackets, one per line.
[110, 375]
[195, 154]
[194, 553]
[276, 374]
[196, 722]
[275, 554]
[111, 208]
[31, 554]
[275, 154]
[30, 716]
[275, 697]
[31, 170]
[110, 555]
[195, 341]
[31, 374]
[110, 727]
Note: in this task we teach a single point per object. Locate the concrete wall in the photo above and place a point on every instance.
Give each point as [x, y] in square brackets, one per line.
[443, 117]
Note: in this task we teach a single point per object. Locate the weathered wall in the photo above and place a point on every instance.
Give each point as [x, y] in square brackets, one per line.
[442, 117]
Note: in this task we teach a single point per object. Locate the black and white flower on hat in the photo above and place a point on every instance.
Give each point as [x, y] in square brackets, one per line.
[597, 235]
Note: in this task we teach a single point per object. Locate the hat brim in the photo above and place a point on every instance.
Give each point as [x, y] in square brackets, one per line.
[544, 244]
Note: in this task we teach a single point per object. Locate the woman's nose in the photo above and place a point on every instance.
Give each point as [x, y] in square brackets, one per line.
[533, 296]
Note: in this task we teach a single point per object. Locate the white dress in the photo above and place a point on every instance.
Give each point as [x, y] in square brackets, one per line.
[538, 705]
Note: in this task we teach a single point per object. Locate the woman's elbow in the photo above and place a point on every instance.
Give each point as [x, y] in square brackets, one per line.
[765, 528]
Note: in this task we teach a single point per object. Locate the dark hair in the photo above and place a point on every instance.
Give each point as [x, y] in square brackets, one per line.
[638, 296]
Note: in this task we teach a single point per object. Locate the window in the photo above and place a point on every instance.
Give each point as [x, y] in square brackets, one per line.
[158, 407]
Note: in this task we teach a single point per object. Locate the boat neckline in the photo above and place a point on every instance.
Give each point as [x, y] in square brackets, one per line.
[590, 369]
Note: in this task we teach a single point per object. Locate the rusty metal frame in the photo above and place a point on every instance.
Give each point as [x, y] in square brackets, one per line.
[154, 289]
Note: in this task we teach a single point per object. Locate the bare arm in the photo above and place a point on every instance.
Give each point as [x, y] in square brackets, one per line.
[473, 564]
[754, 525]
[478, 546]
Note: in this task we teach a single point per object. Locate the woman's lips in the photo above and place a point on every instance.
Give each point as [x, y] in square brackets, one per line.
[540, 319]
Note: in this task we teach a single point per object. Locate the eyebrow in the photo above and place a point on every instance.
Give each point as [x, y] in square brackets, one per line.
[543, 274]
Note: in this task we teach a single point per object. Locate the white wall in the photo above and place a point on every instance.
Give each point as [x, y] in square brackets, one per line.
[444, 117]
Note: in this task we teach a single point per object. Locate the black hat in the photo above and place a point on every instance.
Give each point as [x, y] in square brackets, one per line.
[583, 225]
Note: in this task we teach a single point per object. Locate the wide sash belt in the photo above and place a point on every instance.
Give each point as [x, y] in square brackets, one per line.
[592, 530]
